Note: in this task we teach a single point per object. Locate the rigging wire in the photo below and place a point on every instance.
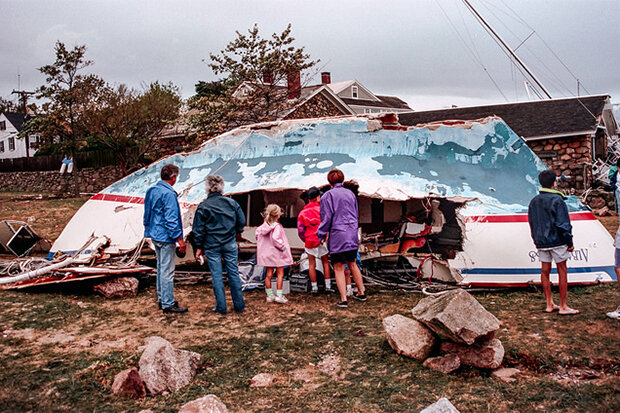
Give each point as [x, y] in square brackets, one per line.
[553, 53]
[545, 43]
[551, 77]
[471, 53]
[501, 47]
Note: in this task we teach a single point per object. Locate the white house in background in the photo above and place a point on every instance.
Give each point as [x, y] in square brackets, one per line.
[362, 100]
[11, 145]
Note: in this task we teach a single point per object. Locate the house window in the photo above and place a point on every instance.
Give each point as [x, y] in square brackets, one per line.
[11, 144]
[354, 92]
[3, 125]
[2, 146]
[35, 140]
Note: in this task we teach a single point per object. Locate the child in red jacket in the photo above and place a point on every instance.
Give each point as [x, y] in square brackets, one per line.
[308, 223]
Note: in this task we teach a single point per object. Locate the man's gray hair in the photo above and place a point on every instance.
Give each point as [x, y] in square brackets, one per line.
[215, 183]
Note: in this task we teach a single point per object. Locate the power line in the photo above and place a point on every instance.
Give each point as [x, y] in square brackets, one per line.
[471, 53]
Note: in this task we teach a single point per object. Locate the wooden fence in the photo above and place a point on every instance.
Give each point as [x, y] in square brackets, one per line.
[92, 159]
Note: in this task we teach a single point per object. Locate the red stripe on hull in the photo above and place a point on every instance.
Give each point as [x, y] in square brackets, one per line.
[128, 199]
[575, 216]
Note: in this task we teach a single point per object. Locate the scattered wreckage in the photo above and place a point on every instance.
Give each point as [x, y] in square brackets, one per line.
[444, 201]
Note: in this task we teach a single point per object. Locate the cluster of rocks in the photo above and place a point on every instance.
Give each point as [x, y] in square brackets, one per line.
[454, 326]
[602, 202]
[568, 155]
[164, 369]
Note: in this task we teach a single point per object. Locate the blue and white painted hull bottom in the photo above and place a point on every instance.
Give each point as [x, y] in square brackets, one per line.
[499, 252]
[482, 165]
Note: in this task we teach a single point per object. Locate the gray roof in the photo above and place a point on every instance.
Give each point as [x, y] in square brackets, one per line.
[528, 119]
[17, 119]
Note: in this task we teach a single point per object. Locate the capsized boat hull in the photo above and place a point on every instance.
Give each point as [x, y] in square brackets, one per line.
[482, 165]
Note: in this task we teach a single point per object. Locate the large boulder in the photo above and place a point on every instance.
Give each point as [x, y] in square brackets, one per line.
[206, 404]
[488, 354]
[457, 316]
[128, 383]
[118, 287]
[442, 405]
[444, 364]
[164, 368]
[408, 337]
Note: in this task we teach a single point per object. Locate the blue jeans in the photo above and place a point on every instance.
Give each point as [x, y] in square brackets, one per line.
[229, 253]
[165, 272]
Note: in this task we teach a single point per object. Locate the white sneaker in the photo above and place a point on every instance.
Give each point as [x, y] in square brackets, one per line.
[350, 293]
[614, 314]
[281, 299]
[270, 298]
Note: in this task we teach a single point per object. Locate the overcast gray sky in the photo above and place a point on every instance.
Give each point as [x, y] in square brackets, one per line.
[410, 49]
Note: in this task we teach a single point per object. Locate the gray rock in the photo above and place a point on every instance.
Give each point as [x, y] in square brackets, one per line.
[444, 364]
[206, 404]
[163, 367]
[408, 337]
[505, 374]
[128, 383]
[262, 380]
[442, 405]
[457, 316]
[118, 287]
[488, 354]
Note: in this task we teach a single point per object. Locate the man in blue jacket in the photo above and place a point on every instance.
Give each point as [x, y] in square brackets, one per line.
[163, 225]
[217, 223]
[552, 234]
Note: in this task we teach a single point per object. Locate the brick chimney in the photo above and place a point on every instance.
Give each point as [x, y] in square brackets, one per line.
[326, 78]
[267, 78]
[293, 81]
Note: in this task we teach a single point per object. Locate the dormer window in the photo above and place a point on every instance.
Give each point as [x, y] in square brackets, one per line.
[354, 92]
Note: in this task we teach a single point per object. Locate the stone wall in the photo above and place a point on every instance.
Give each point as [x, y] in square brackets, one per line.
[89, 181]
[571, 156]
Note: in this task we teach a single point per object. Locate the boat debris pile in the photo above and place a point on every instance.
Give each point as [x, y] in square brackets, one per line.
[88, 263]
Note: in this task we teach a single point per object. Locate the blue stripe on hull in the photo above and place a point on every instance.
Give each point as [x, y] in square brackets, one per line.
[533, 271]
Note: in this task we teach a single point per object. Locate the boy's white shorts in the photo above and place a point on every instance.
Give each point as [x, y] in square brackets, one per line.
[557, 254]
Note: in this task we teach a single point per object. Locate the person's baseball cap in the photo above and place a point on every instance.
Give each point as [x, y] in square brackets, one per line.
[313, 192]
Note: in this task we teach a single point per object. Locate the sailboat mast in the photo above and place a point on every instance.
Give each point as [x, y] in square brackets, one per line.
[513, 54]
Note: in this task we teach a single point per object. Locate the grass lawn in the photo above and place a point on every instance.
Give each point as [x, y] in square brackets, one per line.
[60, 352]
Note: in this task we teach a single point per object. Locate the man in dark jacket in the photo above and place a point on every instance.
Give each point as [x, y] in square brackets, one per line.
[217, 222]
[552, 234]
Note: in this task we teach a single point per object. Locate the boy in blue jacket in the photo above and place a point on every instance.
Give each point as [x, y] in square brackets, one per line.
[552, 234]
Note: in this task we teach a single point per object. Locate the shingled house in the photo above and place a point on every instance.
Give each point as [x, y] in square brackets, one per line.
[568, 134]
[330, 99]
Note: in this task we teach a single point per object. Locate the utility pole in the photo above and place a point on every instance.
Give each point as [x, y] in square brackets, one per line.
[23, 98]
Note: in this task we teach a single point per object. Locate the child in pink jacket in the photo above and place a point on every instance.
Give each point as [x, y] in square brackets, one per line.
[273, 251]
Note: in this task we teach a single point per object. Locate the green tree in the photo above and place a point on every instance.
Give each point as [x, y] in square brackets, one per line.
[128, 122]
[6, 105]
[265, 65]
[68, 94]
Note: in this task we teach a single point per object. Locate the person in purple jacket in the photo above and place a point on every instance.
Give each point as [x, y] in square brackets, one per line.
[339, 220]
